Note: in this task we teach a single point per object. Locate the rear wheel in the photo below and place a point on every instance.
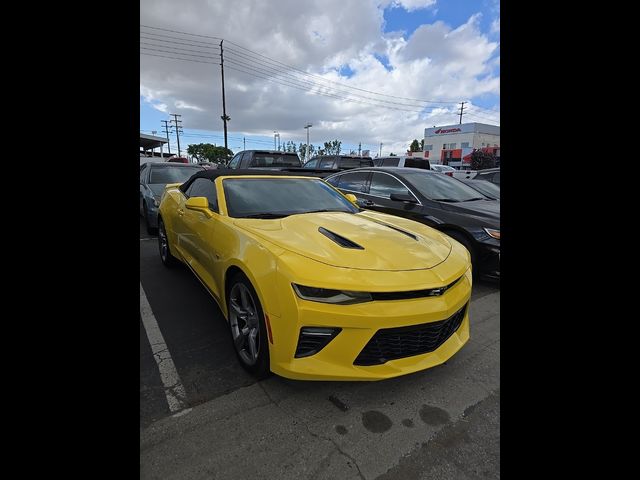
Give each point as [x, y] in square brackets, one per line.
[150, 229]
[247, 325]
[168, 260]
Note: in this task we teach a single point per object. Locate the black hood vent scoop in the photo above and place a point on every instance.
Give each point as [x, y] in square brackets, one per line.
[343, 242]
[411, 235]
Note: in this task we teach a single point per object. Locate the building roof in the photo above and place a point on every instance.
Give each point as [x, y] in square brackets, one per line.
[147, 142]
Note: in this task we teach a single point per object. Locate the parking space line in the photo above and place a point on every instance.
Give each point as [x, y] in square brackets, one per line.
[173, 388]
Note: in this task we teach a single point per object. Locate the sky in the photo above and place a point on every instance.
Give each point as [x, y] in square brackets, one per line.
[365, 72]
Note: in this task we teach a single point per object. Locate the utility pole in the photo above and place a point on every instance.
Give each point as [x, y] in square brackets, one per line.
[276, 134]
[360, 149]
[224, 116]
[166, 130]
[178, 128]
[380, 153]
[244, 143]
[461, 110]
[307, 126]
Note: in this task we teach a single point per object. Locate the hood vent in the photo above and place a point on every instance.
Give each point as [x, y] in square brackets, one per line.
[411, 235]
[343, 242]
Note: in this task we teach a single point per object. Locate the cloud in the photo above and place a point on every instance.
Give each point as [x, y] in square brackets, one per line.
[411, 5]
[438, 62]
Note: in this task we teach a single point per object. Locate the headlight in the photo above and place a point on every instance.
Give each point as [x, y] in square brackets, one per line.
[493, 233]
[156, 201]
[325, 295]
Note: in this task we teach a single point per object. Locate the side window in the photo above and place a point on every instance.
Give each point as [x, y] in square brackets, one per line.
[384, 185]
[326, 162]
[496, 178]
[203, 187]
[143, 173]
[354, 182]
[390, 162]
[235, 161]
[311, 164]
[333, 180]
[245, 160]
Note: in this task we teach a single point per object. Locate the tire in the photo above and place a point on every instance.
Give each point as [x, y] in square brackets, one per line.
[464, 241]
[168, 260]
[247, 327]
[150, 229]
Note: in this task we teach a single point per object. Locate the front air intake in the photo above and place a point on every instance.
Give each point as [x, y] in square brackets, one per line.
[314, 339]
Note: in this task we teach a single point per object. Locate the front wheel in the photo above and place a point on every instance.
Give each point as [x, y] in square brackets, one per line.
[464, 241]
[247, 325]
[168, 260]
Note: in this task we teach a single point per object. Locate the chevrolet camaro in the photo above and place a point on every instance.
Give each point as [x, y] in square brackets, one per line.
[311, 286]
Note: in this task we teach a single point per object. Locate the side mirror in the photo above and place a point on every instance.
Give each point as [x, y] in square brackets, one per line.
[199, 204]
[403, 197]
[352, 198]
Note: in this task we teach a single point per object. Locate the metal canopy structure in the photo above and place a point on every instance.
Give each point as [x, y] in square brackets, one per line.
[149, 142]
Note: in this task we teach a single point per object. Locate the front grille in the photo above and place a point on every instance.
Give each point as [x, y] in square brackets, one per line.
[392, 343]
[431, 292]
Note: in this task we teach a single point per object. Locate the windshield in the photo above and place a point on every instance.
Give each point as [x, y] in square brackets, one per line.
[275, 160]
[489, 189]
[172, 174]
[442, 188]
[280, 197]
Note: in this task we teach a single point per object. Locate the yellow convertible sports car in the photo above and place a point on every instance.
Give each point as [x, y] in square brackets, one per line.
[312, 286]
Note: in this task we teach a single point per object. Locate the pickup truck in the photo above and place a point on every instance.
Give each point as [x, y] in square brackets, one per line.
[275, 160]
[338, 162]
[490, 174]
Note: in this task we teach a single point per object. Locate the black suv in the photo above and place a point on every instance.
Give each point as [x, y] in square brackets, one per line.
[265, 159]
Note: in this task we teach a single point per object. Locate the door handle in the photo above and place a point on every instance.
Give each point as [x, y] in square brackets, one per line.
[180, 212]
[366, 203]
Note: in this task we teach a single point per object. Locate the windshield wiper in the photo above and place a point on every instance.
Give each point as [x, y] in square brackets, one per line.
[266, 215]
[323, 210]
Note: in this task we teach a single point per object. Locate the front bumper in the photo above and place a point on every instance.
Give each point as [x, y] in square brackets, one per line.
[489, 260]
[359, 323]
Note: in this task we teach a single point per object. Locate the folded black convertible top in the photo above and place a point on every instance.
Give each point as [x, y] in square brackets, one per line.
[230, 172]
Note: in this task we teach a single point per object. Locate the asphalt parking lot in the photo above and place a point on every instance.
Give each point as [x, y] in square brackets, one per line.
[440, 423]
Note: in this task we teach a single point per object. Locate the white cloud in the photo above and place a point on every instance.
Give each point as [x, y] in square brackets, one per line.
[411, 5]
[438, 62]
[495, 26]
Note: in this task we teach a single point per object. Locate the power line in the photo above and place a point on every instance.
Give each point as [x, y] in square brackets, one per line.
[256, 54]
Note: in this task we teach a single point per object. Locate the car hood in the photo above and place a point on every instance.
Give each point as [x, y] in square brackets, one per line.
[383, 247]
[489, 209]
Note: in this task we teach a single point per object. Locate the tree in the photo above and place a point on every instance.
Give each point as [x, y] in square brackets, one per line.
[481, 160]
[415, 146]
[422, 145]
[206, 152]
[332, 148]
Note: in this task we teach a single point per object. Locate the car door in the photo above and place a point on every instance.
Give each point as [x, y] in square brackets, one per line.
[381, 186]
[197, 237]
[143, 185]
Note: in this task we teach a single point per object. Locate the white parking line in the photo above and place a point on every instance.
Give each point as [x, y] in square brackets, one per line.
[173, 389]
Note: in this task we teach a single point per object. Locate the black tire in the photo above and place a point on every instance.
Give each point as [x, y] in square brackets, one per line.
[460, 237]
[168, 260]
[252, 319]
[150, 229]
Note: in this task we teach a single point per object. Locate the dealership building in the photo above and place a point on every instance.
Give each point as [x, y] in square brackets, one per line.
[453, 144]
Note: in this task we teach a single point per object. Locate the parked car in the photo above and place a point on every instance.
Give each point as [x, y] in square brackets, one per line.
[404, 161]
[436, 200]
[311, 286]
[265, 159]
[446, 169]
[339, 162]
[208, 164]
[153, 178]
[178, 160]
[485, 187]
[490, 175]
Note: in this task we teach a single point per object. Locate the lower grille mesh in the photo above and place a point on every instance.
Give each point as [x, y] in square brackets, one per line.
[392, 343]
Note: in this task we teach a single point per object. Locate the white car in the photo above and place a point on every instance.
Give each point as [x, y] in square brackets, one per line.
[446, 169]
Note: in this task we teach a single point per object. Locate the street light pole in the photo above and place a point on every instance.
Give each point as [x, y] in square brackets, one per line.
[307, 126]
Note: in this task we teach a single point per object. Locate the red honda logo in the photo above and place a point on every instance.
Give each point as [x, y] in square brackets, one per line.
[450, 130]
